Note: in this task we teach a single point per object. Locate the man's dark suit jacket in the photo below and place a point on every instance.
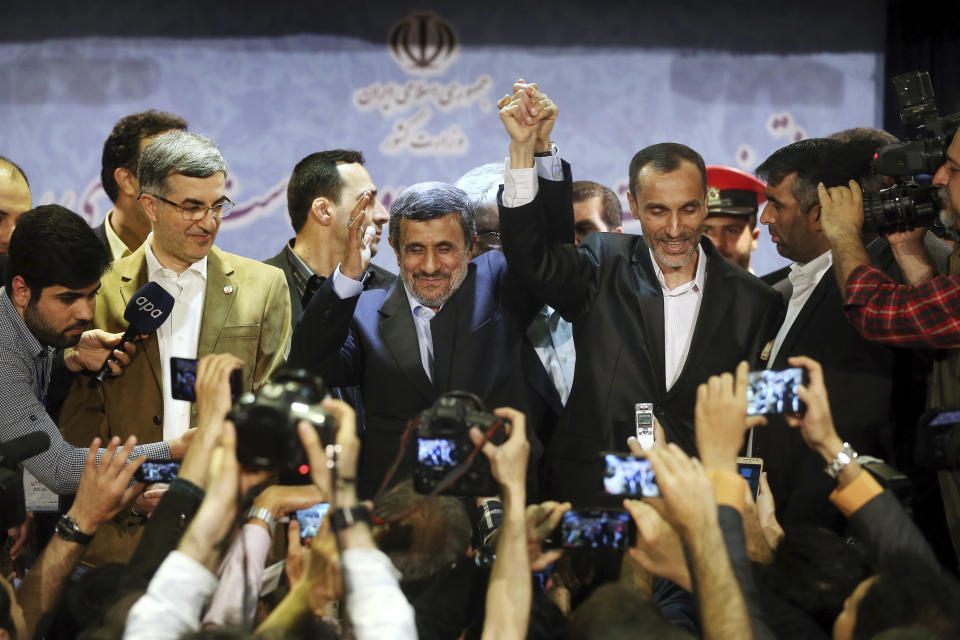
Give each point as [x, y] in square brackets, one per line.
[609, 290]
[370, 340]
[859, 376]
[378, 279]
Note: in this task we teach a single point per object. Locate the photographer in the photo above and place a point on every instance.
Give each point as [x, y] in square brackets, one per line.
[923, 313]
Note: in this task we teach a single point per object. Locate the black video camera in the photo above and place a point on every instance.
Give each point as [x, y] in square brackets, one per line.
[266, 424]
[904, 207]
[444, 446]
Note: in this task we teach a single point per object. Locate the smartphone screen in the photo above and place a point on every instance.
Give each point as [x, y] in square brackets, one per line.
[644, 416]
[310, 520]
[183, 380]
[626, 475]
[750, 469]
[772, 392]
[438, 452]
[593, 529]
[157, 471]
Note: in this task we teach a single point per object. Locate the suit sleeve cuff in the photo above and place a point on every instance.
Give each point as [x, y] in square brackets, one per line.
[862, 490]
[550, 167]
[729, 488]
[345, 287]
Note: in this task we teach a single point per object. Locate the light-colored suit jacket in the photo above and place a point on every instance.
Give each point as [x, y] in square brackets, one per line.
[246, 312]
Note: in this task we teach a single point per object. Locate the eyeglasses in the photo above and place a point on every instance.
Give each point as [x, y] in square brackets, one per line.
[196, 212]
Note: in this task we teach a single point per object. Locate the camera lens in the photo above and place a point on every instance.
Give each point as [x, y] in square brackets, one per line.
[900, 208]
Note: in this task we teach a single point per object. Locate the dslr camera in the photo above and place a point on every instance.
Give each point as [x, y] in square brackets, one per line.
[443, 447]
[266, 424]
[909, 206]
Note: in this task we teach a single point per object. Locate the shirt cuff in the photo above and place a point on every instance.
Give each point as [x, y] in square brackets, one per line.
[519, 185]
[345, 287]
[862, 490]
[729, 488]
[550, 167]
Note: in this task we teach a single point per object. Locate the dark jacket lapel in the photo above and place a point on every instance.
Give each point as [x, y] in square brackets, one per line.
[810, 307]
[651, 311]
[400, 336]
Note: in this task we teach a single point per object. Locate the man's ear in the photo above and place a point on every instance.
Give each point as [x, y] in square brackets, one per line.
[149, 207]
[127, 181]
[617, 229]
[756, 237]
[321, 209]
[815, 218]
[634, 212]
[19, 292]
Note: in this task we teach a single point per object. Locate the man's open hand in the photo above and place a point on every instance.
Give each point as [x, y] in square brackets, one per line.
[360, 237]
[104, 488]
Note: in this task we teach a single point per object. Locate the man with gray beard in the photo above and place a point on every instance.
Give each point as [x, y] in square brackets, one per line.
[448, 323]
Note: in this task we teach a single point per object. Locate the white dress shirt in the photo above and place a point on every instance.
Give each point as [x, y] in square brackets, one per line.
[804, 278]
[172, 604]
[376, 605]
[179, 335]
[681, 306]
[552, 338]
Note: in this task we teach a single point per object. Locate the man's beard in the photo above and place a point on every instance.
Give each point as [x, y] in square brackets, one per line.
[456, 278]
[948, 213]
[47, 335]
[674, 261]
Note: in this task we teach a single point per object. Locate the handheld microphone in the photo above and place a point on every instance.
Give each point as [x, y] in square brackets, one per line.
[146, 311]
[13, 452]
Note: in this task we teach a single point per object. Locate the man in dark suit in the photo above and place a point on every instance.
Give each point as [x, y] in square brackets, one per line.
[653, 316]
[860, 375]
[126, 226]
[449, 323]
[322, 197]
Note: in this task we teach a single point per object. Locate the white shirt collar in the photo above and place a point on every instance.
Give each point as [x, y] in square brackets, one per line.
[698, 278]
[414, 303]
[155, 269]
[810, 272]
[117, 247]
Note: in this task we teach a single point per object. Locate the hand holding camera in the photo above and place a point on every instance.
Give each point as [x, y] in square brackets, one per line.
[721, 419]
[658, 547]
[508, 462]
[816, 426]
[688, 498]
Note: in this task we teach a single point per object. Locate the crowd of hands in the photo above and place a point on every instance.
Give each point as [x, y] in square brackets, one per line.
[685, 517]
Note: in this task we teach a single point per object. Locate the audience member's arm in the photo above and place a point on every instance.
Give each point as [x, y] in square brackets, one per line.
[186, 579]
[689, 505]
[179, 504]
[876, 516]
[241, 573]
[509, 594]
[104, 490]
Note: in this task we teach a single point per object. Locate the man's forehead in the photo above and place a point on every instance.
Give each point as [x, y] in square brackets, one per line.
[177, 182]
[59, 289]
[445, 228]
[686, 176]
[356, 175]
[723, 221]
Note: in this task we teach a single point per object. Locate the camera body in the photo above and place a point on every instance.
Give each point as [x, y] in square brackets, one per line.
[266, 424]
[905, 207]
[443, 444]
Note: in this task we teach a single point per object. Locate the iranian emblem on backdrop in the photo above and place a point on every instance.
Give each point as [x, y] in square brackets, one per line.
[423, 43]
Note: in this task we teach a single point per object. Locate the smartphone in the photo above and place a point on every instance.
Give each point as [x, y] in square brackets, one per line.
[310, 520]
[439, 453]
[772, 392]
[644, 415]
[626, 475]
[157, 471]
[750, 469]
[593, 529]
[183, 380]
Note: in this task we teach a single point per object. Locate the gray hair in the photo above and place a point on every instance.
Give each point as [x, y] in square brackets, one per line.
[482, 184]
[429, 200]
[182, 152]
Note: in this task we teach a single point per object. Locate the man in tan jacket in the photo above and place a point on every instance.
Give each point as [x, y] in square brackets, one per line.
[223, 304]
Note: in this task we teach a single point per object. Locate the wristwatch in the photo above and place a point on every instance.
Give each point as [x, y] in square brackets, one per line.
[845, 456]
[261, 513]
[340, 519]
[68, 529]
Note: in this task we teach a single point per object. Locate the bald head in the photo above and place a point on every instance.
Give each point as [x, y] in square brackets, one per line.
[14, 199]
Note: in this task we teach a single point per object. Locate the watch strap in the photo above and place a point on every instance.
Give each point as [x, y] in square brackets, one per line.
[845, 456]
[68, 529]
[261, 513]
[341, 519]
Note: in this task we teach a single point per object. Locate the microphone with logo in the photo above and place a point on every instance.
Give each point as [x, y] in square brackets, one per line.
[146, 311]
